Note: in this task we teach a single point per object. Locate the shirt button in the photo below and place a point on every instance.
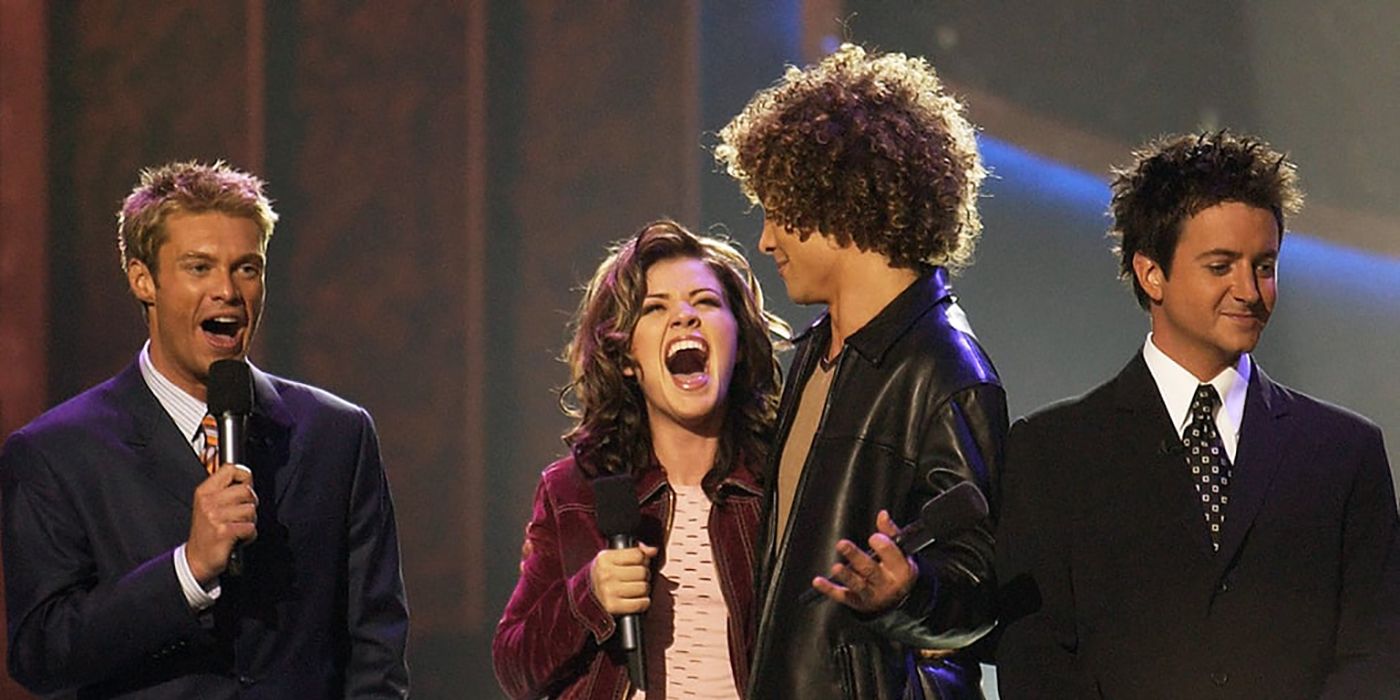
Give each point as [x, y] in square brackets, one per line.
[1220, 678]
[1224, 586]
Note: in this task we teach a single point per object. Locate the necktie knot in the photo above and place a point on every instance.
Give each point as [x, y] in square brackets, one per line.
[1204, 402]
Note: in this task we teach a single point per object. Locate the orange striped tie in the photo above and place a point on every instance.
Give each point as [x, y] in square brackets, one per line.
[211, 443]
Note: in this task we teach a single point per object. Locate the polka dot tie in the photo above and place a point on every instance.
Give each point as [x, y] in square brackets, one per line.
[1205, 454]
[210, 455]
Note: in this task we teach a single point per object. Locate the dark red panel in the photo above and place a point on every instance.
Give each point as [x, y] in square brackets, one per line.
[133, 84]
[371, 299]
[23, 221]
[608, 140]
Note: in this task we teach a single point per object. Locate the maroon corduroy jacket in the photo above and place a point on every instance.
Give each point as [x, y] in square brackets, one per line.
[554, 638]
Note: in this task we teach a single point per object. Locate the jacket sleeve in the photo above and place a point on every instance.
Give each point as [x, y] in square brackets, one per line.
[1036, 642]
[951, 604]
[377, 608]
[1368, 629]
[553, 625]
[66, 627]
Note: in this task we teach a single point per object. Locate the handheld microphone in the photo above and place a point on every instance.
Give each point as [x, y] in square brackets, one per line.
[230, 402]
[615, 503]
[946, 514]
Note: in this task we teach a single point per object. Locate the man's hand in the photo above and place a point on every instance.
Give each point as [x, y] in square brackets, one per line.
[225, 512]
[870, 584]
[620, 579]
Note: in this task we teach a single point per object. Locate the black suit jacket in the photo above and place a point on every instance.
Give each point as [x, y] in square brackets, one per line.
[1109, 585]
[97, 496]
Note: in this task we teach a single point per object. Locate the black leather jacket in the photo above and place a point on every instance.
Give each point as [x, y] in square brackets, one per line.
[914, 408]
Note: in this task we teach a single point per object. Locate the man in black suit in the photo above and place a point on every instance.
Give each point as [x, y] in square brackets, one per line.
[119, 519]
[1192, 529]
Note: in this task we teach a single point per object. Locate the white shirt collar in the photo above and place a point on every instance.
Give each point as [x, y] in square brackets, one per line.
[187, 411]
[1177, 386]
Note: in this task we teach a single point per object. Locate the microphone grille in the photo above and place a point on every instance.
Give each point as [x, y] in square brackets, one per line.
[615, 501]
[230, 387]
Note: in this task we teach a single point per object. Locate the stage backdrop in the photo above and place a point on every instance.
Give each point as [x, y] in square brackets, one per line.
[449, 173]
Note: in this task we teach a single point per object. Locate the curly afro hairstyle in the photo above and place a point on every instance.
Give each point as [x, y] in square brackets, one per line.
[1176, 177]
[610, 434]
[865, 148]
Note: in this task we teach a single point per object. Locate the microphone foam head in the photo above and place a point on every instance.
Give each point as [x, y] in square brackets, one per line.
[230, 387]
[615, 501]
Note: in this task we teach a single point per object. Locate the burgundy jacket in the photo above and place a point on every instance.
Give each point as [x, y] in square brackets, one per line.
[554, 638]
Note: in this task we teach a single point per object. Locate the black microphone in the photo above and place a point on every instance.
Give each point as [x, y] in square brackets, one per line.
[230, 402]
[615, 503]
[945, 515]
[1171, 447]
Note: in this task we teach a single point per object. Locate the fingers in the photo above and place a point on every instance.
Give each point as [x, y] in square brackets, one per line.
[228, 496]
[857, 559]
[886, 551]
[842, 583]
[632, 558]
[621, 579]
[837, 593]
[627, 606]
[225, 511]
[229, 478]
[884, 524]
[869, 581]
[238, 473]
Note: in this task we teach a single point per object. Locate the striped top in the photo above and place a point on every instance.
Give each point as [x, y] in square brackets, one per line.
[686, 632]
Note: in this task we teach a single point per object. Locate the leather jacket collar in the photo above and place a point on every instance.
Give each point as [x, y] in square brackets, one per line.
[874, 339]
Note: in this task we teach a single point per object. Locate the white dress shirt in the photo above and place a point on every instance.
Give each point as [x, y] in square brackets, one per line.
[1177, 386]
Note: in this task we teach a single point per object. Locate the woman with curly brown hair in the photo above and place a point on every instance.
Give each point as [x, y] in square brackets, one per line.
[674, 382]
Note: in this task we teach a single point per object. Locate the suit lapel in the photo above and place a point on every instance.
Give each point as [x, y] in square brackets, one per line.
[1153, 443]
[1261, 448]
[270, 440]
[164, 455]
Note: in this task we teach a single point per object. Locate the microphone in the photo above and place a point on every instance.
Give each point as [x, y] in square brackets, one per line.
[230, 402]
[946, 514]
[1171, 447]
[615, 503]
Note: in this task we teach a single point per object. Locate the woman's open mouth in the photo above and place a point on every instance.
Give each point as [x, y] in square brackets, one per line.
[687, 360]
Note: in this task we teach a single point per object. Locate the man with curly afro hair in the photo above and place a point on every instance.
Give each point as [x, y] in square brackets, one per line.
[1192, 528]
[867, 173]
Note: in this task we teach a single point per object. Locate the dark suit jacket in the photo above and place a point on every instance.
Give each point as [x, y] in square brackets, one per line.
[1109, 584]
[97, 496]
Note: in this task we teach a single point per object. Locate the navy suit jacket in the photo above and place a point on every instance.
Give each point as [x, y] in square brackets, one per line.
[1109, 584]
[97, 496]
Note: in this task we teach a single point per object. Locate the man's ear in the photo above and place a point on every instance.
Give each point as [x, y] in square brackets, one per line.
[141, 281]
[1150, 276]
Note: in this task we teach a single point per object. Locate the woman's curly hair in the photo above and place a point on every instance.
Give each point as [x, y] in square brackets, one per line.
[1174, 178]
[611, 434]
[865, 148]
